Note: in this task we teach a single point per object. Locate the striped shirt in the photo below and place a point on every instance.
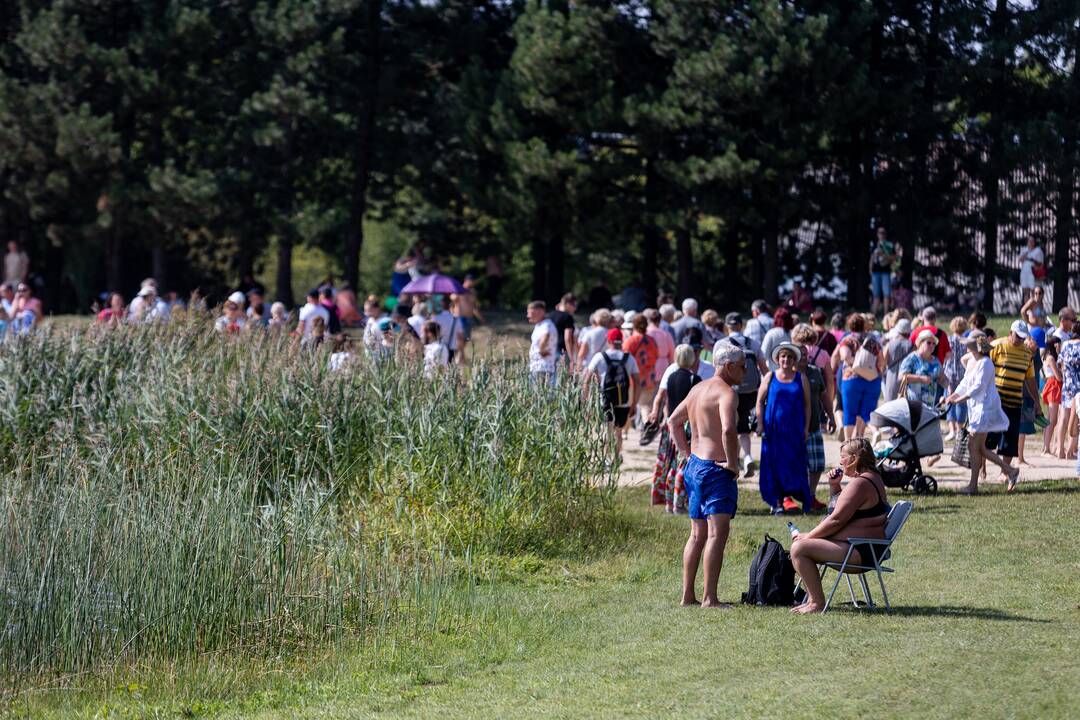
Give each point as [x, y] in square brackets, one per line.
[1012, 365]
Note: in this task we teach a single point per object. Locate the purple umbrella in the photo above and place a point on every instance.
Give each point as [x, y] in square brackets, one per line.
[434, 284]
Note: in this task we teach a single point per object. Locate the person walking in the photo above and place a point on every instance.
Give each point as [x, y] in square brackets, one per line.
[783, 409]
[543, 344]
[616, 372]
[594, 338]
[747, 389]
[714, 331]
[668, 488]
[711, 474]
[820, 398]
[898, 347]
[778, 334]
[1033, 312]
[985, 414]
[1032, 267]
[920, 370]
[760, 321]
[665, 346]
[645, 352]
[1069, 365]
[563, 317]
[1013, 370]
[1051, 394]
[881, 261]
[688, 320]
[861, 363]
[953, 373]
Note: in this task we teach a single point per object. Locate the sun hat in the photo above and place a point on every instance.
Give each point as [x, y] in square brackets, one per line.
[614, 335]
[786, 346]
[1020, 328]
[903, 327]
[628, 320]
[973, 336]
[926, 335]
[238, 298]
[146, 290]
[733, 319]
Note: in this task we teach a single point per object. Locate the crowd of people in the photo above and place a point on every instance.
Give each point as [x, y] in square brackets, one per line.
[806, 376]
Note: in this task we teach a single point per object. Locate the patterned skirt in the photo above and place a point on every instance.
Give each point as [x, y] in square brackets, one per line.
[667, 482]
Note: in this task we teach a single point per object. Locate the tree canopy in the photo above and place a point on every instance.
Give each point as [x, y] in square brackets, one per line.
[715, 148]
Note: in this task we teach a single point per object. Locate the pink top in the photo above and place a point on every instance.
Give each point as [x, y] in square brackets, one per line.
[818, 357]
[665, 347]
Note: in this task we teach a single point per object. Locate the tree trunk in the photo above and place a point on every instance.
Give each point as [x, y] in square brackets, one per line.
[283, 282]
[733, 281]
[157, 264]
[685, 259]
[651, 235]
[539, 258]
[365, 144]
[994, 166]
[114, 261]
[555, 262]
[770, 246]
[917, 235]
[1063, 229]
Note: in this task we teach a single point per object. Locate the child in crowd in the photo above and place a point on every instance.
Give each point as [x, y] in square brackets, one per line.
[436, 356]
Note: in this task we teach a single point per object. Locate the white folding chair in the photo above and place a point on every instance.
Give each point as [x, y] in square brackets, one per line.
[881, 549]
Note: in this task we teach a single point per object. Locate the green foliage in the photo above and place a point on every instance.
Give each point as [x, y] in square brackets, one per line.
[169, 492]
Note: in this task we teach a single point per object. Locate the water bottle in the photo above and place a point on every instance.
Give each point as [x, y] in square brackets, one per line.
[792, 529]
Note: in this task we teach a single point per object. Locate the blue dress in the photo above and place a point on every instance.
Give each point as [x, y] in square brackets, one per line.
[783, 447]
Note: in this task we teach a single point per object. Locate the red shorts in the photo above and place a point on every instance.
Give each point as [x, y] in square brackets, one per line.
[1051, 393]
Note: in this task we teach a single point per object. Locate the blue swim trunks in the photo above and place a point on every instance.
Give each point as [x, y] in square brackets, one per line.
[711, 489]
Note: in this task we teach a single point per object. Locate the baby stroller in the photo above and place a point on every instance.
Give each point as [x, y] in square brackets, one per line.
[916, 434]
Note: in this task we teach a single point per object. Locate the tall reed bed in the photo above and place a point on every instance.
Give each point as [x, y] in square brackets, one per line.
[166, 492]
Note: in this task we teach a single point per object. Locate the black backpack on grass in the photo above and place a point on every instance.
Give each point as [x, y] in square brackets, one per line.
[772, 577]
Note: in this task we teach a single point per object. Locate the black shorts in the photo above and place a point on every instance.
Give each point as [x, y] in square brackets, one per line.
[747, 403]
[1007, 444]
[616, 415]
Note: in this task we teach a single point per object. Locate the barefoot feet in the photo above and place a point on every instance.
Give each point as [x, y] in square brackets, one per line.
[807, 608]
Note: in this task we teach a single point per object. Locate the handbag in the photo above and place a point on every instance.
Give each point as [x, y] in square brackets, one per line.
[961, 452]
[1039, 271]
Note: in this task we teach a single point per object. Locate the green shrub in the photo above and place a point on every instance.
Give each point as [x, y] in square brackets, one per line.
[169, 491]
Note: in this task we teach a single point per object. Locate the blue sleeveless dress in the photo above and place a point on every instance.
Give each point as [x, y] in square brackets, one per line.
[783, 448]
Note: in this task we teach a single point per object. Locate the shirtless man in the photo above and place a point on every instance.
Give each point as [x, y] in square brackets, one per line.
[464, 306]
[711, 482]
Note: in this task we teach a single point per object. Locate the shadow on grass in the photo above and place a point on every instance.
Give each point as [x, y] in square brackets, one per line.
[1047, 487]
[937, 509]
[962, 612]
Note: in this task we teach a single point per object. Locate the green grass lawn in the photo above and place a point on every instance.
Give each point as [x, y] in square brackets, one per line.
[986, 624]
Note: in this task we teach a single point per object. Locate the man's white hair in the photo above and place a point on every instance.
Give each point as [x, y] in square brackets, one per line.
[689, 306]
[725, 353]
[667, 311]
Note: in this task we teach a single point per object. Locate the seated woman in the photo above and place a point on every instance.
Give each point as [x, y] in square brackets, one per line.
[860, 511]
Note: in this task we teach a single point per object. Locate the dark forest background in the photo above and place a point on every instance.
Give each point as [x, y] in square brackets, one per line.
[712, 148]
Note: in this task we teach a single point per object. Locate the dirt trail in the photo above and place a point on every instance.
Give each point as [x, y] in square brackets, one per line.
[638, 464]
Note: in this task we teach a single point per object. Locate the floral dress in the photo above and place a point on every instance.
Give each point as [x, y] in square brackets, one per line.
[1069, 365]
[914, 364]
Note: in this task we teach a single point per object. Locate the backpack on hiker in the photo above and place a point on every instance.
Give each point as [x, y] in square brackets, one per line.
[772, 576]
[752, 377]
[616, 387]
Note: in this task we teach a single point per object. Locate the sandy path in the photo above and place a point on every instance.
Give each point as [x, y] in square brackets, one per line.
[638, 464]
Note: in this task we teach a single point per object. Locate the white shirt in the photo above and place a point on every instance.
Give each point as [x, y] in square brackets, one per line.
[537, 362]
[435, 356]
[704, 371]
[1027, 259]
[599, 365]
[338, 360]
[1062, 334]
[448, 328]
[594, 338]
[416, 322]
[757, 327]
[309, 312]
[222, 323]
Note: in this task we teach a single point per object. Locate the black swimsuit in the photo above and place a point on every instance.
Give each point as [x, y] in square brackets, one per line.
[867, 551]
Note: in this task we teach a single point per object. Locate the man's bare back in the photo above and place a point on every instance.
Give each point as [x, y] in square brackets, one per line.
[711, 409]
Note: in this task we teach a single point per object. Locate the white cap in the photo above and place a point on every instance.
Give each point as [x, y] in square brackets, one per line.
[146, 290]
[1020, 328]
[926, 335]
[238, 298]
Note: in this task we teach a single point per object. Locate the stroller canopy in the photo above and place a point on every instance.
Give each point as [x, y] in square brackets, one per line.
[915, 419]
